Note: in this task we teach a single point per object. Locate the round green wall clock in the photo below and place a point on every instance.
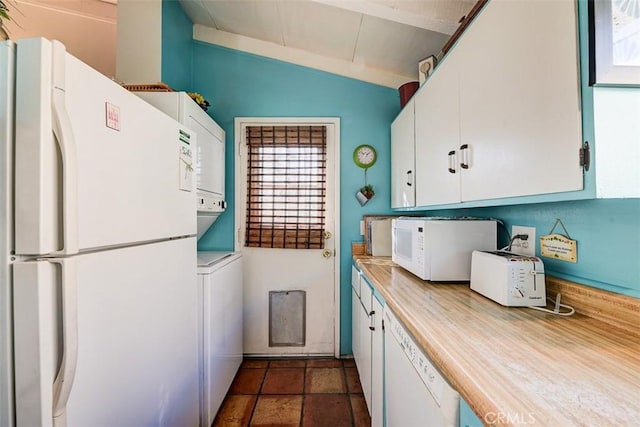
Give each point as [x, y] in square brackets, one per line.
[365, 156]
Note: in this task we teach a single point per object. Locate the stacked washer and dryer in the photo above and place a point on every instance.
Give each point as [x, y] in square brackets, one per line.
[219, 273]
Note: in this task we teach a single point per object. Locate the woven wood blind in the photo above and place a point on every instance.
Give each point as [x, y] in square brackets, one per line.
[286, 186]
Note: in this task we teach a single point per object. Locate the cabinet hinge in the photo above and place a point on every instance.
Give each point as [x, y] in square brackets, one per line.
[585, 156]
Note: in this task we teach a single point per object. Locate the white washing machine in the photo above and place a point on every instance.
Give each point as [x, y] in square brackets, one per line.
[220, 321]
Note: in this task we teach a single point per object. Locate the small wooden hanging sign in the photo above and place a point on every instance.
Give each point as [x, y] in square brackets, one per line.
[558, 246]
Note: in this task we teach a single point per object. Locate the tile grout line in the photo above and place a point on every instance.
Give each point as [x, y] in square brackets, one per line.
[348, 394]
[255, 404]
[304, 393]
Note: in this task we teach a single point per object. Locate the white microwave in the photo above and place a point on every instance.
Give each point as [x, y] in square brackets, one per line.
[439, 249]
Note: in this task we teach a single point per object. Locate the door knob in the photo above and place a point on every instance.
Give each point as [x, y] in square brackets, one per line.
[327, 235]
[326, 253]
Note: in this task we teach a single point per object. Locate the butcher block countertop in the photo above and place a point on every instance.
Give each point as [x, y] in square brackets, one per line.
[518, 366]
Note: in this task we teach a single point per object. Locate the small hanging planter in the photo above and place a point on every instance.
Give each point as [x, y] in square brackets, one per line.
[365, 194]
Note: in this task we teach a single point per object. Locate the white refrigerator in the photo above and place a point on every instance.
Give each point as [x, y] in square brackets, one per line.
[98, 288]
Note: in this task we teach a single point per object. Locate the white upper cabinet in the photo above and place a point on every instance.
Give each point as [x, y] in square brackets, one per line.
[501, 115]
[403, 193]
[520, 112]
[438, 137]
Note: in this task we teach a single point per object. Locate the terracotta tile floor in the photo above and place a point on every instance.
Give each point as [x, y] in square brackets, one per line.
[295, 392]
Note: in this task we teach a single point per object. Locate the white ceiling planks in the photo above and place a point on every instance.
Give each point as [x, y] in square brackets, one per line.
[433, 15]
[322, 29]
[380, 41]
[392, 46]
[251, 18]
[197, 12]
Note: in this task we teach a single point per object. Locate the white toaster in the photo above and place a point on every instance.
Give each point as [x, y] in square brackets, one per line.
[509, 279]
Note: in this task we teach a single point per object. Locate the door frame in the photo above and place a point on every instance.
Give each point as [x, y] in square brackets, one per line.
[333, 135]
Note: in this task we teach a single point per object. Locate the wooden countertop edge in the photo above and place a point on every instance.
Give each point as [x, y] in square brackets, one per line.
[618, 311]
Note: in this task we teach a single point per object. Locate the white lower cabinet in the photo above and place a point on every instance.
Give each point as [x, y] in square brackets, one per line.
[377, 366]
[368, 345]
[355, 314]
[364, 331]
[355, 325]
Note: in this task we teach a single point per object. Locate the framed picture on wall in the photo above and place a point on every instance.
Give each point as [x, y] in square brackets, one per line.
[426, 67]
[614, 42]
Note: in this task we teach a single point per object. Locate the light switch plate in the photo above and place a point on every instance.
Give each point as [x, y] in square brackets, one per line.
[526, 247]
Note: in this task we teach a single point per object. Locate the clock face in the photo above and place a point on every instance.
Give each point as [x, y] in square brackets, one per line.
[364, 156]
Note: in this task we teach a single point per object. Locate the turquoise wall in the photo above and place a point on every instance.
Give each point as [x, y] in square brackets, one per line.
[243, 85]
[607, 231]
[240, 84]
[176, 46]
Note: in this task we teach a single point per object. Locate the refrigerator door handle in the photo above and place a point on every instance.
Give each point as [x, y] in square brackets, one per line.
[64, 136]
[66, 374]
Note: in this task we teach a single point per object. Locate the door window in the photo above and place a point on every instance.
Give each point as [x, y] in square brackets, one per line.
[286, 187]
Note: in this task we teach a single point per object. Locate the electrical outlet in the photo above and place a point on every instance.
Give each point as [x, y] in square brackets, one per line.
[524, 247]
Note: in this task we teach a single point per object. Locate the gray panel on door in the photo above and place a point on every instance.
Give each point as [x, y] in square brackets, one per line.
[287, 318]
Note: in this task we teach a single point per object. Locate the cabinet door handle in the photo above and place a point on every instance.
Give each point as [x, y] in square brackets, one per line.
[464, 150]
[452, 161]
[409, 183]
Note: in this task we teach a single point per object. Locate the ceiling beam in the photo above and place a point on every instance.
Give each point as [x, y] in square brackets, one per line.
[299, 57]
[394, 14]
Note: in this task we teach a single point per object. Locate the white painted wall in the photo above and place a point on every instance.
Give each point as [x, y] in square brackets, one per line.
[139, 47]
[86, 27]
[617, 134]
